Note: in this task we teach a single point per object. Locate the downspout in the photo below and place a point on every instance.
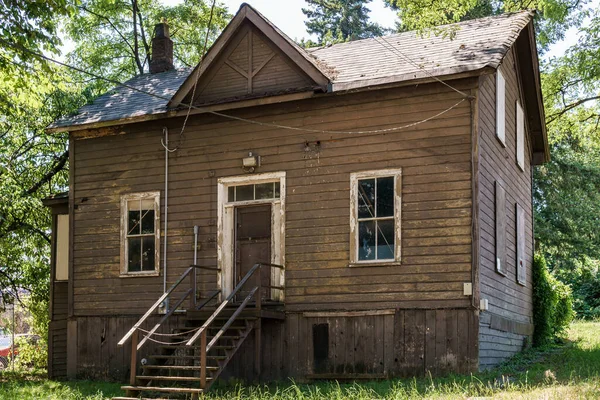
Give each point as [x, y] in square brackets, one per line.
[166, 146]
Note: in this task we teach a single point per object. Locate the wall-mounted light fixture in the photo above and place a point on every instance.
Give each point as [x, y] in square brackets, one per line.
[250, 163]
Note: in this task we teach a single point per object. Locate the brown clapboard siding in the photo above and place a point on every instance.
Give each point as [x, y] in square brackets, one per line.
[436, 213]
[57, 331]
[506, 298]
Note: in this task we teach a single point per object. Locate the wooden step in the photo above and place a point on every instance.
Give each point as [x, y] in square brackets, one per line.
[212, 328]
[161, 389]
[162, 357]
[194, 347]
[171, 378]
[137, 398]
[180, 367]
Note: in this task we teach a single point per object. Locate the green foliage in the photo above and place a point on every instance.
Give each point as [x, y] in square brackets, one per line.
[335, 21]
[568, 372]
[32, 25]
[32, 354]
[112, 41]
[422, 15]
[552, 304]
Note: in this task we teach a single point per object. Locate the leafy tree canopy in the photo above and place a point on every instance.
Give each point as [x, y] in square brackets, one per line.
[114, 38]
[339, 21]
[32, 25]
[555, 15]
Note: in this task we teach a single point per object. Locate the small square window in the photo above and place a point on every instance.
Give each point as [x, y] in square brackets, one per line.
[140, 233]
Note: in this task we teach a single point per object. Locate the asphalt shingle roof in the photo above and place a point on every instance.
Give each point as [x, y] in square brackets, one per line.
[353, 65]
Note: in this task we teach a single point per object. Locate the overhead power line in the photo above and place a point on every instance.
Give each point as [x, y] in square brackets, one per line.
[190, 105]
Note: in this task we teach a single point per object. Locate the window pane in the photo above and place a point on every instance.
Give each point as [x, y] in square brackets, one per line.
[264, 191]
[277, 190]
[385, 197]
[148, 253]
[385, 239]
[244, 193]
[231, 193]
[134, 254]
[366, 198]
[133, 224]
[147, 221]
[366, 240]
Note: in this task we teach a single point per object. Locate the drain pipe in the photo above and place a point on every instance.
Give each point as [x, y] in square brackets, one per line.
[195, 262]
[166, 146]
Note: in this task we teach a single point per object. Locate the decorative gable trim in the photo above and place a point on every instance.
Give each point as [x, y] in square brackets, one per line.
[297, 55]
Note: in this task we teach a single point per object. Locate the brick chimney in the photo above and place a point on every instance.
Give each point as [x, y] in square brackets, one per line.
[162, 50]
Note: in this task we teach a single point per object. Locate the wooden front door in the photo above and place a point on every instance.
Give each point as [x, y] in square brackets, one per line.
[252, 246]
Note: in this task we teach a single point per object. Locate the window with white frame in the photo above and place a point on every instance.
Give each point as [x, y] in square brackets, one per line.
[500, 108]
[520, 121]
[140, 233]
[375, 216]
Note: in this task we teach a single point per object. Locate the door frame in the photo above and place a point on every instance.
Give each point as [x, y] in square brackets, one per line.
[225, 230]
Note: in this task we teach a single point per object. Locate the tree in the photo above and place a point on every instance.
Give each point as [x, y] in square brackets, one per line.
[110, 40]
[113, 38]
[31, 25]
[340, 20]
[555, 15]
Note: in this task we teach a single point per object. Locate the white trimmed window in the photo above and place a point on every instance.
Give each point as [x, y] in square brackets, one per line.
[375, 202]
[140, 234]
[520, 136]
[500, 108]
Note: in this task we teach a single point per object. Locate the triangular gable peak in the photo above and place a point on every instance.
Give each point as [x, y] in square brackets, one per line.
[251, 58]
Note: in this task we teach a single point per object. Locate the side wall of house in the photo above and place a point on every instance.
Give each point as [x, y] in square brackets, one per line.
[58, 309]
[427, 285]
[506, 326]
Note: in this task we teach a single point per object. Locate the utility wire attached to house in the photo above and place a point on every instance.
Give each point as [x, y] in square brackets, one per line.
[190, 105]
[388, 46]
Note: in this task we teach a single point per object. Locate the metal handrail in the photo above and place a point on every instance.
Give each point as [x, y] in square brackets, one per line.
[158, 302]
[216, 313]
[231, 319]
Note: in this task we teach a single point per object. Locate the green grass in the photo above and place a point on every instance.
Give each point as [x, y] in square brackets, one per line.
[565, 372]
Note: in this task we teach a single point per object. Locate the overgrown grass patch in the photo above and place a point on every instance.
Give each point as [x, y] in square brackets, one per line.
[566, 371]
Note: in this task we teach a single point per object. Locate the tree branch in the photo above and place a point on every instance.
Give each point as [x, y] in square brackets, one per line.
[58, 166]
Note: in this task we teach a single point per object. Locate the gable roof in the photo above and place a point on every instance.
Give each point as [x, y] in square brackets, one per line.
[310, 65]
[478, 45]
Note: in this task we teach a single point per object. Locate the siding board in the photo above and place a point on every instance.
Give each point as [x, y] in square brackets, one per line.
[498, 163]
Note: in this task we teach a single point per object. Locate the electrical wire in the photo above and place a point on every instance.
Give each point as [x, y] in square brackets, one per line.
[388, 46]
[231, 117]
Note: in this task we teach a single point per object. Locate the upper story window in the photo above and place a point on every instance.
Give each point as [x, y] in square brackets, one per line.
[520, 136]
[140, 233]
[375, 216]
[500, 108]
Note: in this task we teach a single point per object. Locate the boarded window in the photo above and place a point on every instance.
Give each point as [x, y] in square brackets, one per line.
[140, 233]
[521, 266]
[375, 216]
[62, 248]
[520, 136]
[500, 108]
[500, 229]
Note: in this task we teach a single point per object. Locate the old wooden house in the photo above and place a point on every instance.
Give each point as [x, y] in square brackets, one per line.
[361, 210]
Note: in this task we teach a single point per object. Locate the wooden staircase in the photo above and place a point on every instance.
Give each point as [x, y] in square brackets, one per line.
[188, 360]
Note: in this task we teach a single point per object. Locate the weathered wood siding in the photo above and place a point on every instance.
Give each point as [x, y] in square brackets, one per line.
[252, 66]
[57, 331]
[507, 298]
[436, 207]
[409, 342]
